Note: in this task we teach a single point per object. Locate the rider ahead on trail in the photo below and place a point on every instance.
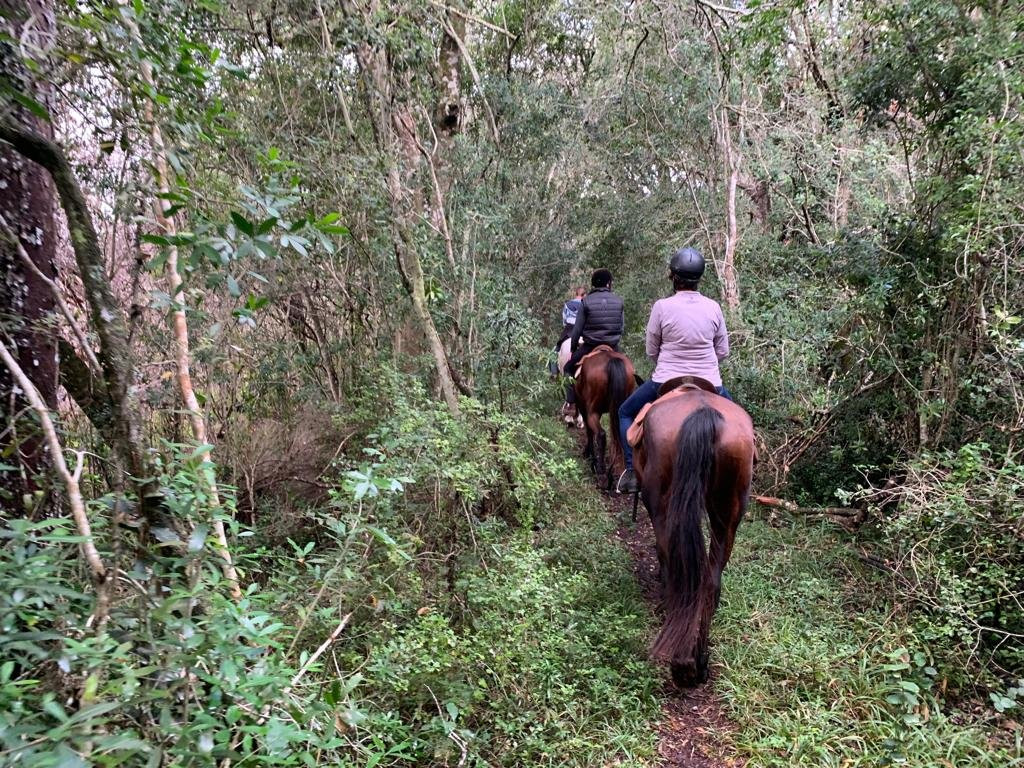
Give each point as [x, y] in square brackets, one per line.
[570, 310]
[686, 336]
[600, 320]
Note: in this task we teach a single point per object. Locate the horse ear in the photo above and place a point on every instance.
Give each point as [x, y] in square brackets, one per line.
[639, 379]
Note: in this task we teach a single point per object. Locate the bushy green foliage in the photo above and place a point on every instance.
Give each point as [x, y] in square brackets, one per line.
[461, 586]
[544, 666]
[819, 669]
[955, 542]
[485, 617]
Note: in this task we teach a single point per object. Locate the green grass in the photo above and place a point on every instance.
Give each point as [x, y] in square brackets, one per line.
[816, 668]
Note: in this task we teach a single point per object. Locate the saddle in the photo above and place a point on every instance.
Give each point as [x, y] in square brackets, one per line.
[686, 382]
[671, 388]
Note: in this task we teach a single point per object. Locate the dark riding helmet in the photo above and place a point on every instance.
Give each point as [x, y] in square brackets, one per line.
[687, 264]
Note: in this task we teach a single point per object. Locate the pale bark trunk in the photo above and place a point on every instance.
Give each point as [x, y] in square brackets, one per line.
[733, 159]
[99, 572]
[412, 277]
[179, 325]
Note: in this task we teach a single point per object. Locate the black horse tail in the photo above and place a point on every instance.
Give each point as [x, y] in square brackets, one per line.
[683, 638]
[618, 384]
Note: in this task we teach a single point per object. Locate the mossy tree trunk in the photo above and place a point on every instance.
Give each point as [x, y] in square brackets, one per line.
[26, 303]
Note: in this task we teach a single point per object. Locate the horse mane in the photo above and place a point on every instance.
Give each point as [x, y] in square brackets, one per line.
[688, 598]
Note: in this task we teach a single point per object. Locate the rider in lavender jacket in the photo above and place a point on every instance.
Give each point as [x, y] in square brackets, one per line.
[686, 336]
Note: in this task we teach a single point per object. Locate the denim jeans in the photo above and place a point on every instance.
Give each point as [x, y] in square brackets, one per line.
[628, 411]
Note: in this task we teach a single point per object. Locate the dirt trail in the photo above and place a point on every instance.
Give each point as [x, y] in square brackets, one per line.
[689, 719]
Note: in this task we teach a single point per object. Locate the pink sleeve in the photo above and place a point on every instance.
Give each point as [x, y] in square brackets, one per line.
[721, 337]
[654, 332]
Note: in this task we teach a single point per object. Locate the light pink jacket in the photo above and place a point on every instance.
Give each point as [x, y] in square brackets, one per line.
[686, 336]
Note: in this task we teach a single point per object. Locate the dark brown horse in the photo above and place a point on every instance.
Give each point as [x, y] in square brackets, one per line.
[604, 379]
[696, 458]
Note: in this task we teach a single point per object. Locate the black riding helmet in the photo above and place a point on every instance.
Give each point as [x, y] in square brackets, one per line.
[687, 264]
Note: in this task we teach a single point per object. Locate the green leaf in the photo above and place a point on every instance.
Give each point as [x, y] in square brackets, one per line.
[198, 538]
[200, 449]
[384, 537]
[27, 102]
[242, 224]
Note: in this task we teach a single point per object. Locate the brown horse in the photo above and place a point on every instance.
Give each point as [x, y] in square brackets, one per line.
[696, 457]
[604, 379]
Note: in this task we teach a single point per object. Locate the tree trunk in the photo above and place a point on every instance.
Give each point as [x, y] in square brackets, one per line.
[728, 275]
[398, 145]
[26, 302]
[448, 113]
[179, 324]
[114, 353]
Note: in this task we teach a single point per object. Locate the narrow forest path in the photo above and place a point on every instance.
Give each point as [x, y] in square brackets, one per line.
[689, 720]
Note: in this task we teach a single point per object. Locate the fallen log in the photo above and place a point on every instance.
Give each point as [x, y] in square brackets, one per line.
[846, 516]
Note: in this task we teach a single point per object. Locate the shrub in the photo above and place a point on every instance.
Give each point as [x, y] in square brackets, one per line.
[955, 542]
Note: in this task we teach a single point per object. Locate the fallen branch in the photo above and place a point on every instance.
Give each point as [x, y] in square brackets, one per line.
[873, 561]
[319, 652]
[790, 506]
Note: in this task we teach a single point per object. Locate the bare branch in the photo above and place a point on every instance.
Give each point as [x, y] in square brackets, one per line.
[70, 480]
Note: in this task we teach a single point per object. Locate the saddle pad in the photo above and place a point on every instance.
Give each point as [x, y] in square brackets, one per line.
[594, 351]
[689, 382]
[635, 433]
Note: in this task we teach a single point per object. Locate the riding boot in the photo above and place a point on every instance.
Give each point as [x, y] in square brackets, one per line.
[627, 482]
[568, 413]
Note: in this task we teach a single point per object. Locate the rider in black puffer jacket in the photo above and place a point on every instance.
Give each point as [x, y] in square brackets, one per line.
[601, 320]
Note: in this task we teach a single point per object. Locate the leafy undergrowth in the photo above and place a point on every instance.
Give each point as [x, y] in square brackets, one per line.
[495, 618]
[817, 669]
[458, 599]
[546, 668]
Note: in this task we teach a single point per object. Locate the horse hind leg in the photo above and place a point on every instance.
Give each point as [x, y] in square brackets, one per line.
[581, 410]
[595, 441]
[602, 451]
[610, 468]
